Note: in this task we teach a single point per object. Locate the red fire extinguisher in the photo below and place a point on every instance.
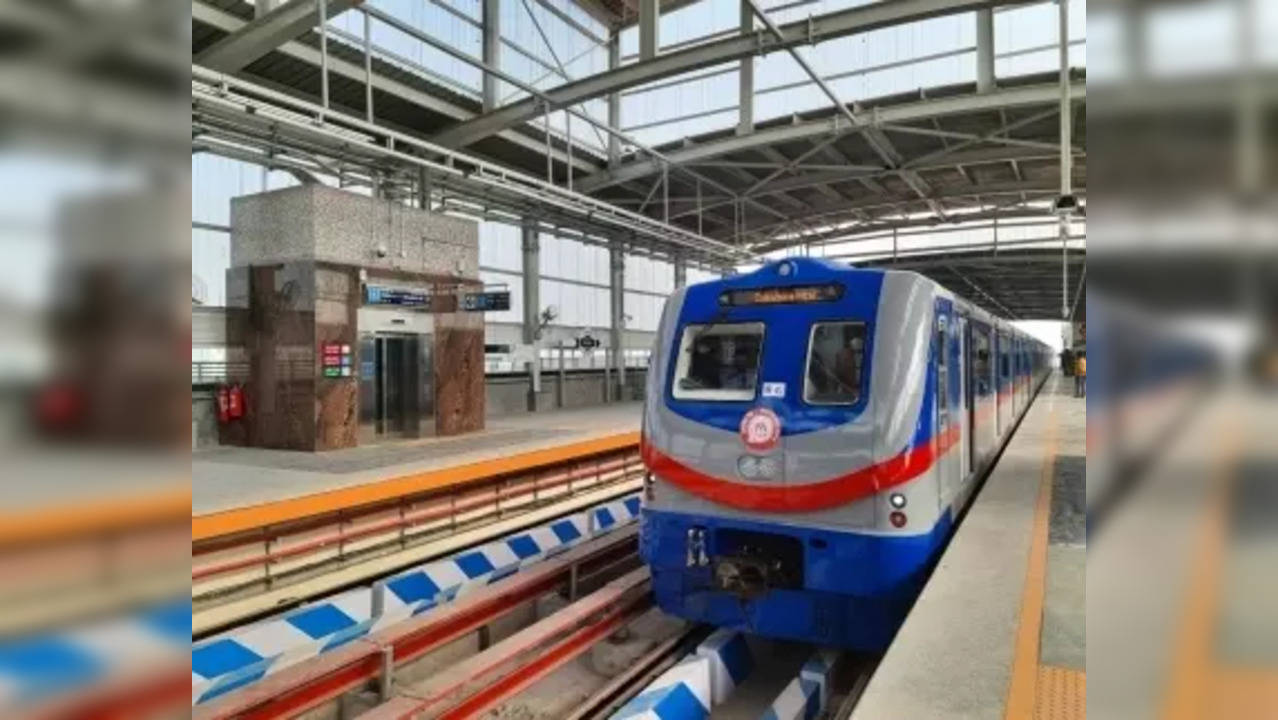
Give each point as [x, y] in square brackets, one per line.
[223, 404]
[235, 401]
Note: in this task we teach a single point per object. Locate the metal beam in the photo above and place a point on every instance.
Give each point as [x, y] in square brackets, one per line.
[226, 22]
[649, 28]
[745, 78]
[984, 51]
[792, 132]
[614, 100]
[267, 32]
[805, 32]
[491, 49]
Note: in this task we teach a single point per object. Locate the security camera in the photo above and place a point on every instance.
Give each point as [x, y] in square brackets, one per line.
[1065, 205]
[382, 250]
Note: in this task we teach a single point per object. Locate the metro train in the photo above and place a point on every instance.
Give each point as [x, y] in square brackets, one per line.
[811, 432]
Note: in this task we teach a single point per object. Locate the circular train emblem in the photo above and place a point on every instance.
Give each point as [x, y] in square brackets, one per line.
[760, 429]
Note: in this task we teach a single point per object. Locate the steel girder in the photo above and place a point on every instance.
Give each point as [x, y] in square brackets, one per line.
[714, 52]
[835, 125]
[263, 34]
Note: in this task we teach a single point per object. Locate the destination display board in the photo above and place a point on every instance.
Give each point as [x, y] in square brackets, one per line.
[782, 295]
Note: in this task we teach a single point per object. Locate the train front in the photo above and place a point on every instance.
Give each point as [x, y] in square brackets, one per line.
[788, 436]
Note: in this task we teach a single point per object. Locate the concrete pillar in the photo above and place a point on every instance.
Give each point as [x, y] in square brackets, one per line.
[617, 301]
[680, 271]
[531, 246]
[985, 50]
[264, 6]
[491, 49]
[649, 28]
[614, 100]
[745, 106]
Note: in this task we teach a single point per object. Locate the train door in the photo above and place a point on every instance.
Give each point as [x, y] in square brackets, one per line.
[969, 404]
[1003, 388]
[948, 417]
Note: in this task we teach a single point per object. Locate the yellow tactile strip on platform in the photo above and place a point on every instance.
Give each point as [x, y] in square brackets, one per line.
[1060, 694]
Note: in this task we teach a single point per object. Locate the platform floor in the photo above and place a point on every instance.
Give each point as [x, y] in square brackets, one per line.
[999, 631]
[224, 478]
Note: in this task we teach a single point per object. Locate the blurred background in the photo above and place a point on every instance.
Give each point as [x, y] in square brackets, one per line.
[1182, 303]
[1183, 269]
[94, 488]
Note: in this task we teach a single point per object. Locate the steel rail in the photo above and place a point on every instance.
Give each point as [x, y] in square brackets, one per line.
[283, 116]
[484, 680]
[305, 686]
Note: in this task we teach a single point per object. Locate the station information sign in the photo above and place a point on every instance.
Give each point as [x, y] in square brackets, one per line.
[378, 295]
[335, 359]
[486, 301]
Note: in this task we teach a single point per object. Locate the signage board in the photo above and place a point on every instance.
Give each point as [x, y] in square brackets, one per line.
[378, 295]
[486, 301]
[336, 359]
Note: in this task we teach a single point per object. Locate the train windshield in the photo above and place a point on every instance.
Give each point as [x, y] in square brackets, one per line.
[718, 362]
[836, 355]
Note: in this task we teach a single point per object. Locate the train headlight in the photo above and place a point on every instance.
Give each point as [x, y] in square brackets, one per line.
[769, 467]
[758, 468]
[897, 500]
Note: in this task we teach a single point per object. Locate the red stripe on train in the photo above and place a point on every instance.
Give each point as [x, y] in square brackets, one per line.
[821, 495]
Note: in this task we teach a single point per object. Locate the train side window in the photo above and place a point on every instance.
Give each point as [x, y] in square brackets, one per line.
[836, 358]
[942, 371]
[981, 362]
[718, 362]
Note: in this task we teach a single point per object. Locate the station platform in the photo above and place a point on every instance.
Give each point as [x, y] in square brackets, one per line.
[999, 631]
[228, 479]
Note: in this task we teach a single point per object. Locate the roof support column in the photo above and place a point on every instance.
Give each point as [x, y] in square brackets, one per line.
[491, 50]
[985, 50]
[617, 324]
[680, 271]
[261, 7]
[531, 246]
[614, 100]
[649, 27]
[1067, 186]
[745, 72]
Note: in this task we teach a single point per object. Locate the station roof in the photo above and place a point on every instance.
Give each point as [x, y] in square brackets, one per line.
[934, 156]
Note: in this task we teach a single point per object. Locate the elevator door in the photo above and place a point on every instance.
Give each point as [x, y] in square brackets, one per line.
[396, 386]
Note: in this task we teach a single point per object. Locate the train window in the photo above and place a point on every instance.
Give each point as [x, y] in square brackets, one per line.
[836, 355]
[718, 362]
[942, 371]
[981, 362]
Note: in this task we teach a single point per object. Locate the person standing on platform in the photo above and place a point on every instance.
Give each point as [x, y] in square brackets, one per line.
[1080, 375]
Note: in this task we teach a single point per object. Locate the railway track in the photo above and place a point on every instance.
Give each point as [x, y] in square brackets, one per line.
[251, 572]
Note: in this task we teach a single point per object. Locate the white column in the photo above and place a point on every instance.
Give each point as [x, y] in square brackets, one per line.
[531, 247]
[617, 293]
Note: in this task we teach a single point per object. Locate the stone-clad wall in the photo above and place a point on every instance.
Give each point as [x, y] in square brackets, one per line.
[316, 222]
[297, 256]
